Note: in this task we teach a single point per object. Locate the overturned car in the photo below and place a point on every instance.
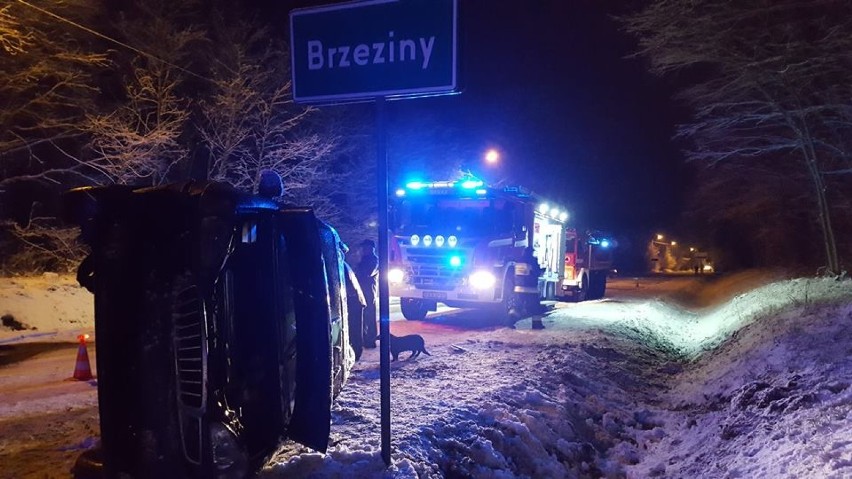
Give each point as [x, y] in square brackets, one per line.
[220, 321]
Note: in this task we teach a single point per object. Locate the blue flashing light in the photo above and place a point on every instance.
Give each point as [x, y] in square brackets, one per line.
[455, 261]
[400, 192]
[481, 192]
[471, 184]
[414, 185]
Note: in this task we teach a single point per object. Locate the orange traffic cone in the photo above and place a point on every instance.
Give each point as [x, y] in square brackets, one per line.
[82, 371]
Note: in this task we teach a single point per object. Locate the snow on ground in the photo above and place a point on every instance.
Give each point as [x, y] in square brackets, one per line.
[616, 389]
[635, 385]
[52, 308]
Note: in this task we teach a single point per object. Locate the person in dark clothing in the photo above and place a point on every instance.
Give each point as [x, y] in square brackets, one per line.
[367, 272]
[527, 273]
[270, 185]
[355, 304]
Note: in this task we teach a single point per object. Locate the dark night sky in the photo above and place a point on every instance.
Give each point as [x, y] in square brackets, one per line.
[547, 83]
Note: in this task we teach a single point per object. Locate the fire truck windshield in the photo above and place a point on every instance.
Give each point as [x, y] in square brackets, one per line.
[455, 216]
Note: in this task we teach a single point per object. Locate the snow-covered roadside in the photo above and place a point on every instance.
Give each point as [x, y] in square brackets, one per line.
[774, 401]
[604, 391]
[52, 308]
[598, 395]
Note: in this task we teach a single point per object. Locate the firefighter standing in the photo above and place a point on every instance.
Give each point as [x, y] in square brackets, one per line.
[367, 272]
[527, 272]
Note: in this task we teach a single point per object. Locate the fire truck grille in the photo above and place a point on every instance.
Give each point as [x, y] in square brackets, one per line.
[431, 269]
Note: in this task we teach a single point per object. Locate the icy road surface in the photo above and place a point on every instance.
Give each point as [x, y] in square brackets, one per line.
[678, 377]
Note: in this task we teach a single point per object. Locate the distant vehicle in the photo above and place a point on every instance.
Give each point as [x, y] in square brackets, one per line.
[221, 328]
[463, 244]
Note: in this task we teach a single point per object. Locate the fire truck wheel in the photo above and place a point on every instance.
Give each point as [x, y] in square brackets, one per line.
[511, 306]
[582, 293]
[597, 285]
[414, 309]
[550, 291]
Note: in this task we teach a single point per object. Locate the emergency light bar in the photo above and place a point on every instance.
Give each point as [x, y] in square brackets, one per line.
[445, 187]
[471, 185]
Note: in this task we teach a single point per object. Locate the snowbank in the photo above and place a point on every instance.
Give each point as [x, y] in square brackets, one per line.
[51, 307]
[604, 392]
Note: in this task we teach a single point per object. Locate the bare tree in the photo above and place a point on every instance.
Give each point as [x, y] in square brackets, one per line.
[766, 79]
[251, 124]
[46, 89]
[140, 140]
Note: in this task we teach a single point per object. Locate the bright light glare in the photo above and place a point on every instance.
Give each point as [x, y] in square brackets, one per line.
[427, 240]
[439, 241]
[674, 243]
[563, 216]
[471, 184]
[455, 261]
[660, 237]
[400, 192]
[415, 240]
[452, 241]
[543, 208]
[482, 280]
[396, 276]
[554, 213]
[481, 192]
[492, 156]
[604, 243]
[414, 185]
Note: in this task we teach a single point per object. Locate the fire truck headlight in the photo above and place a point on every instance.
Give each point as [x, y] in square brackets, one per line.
[396, 275]
[415, 240]
[482, 280]
[427, 240]
[439, 241]
[452, 241]
[455, 261]
[543, 208]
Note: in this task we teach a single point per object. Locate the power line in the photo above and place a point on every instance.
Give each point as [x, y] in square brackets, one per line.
[113, 40]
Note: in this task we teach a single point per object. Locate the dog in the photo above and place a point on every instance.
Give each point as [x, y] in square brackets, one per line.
[412, 342]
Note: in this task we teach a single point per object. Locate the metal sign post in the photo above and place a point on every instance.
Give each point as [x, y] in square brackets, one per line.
[384, 297]
[375, 49]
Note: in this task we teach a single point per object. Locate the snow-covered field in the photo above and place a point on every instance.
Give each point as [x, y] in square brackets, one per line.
[727, 381]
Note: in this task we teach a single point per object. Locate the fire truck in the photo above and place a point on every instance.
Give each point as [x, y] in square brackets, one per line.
[468, 245]
[588, 261]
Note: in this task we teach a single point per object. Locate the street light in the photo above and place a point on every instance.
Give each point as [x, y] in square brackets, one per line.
[674, 243]
[492, 156]
[659, 237]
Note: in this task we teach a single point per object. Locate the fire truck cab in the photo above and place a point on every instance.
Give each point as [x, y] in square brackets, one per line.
[464, 244]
